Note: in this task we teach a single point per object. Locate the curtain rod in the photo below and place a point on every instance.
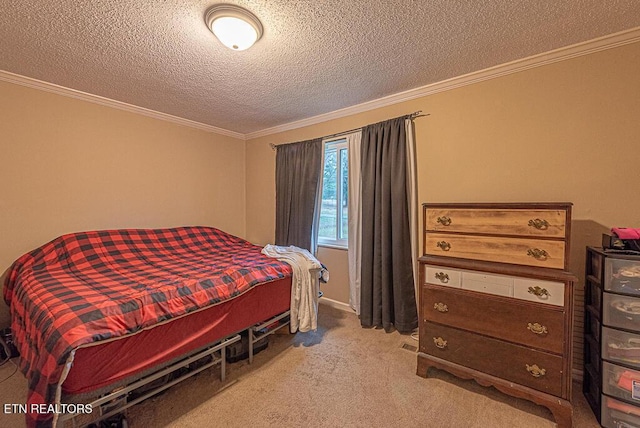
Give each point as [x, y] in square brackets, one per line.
[339, 134]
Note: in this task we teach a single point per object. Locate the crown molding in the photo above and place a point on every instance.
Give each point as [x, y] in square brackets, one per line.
[539, 60]
[585, 48]
[96, 99]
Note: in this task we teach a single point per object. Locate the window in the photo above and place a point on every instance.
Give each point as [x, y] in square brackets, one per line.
[333, 228]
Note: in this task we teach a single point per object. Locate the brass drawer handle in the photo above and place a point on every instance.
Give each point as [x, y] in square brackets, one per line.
[444, 220]
[443, 277]
[440, 307]
[444, 245]
[537, 328]
[537, 254]
[540, 292]
[536, 371]
[539, 224]
[440, 342]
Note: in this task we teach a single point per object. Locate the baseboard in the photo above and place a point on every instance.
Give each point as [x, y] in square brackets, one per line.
[336, 304]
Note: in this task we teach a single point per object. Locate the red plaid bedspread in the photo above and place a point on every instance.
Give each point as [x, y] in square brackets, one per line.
[92, 286]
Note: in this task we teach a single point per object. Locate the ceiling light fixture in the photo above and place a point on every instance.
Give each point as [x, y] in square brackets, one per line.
[235, 27]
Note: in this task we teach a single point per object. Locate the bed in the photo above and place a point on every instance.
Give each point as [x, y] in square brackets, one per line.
[102, 311]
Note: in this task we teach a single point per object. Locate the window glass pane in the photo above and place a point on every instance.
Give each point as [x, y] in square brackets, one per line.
[334, 207]
[329, 207]
[344, 194]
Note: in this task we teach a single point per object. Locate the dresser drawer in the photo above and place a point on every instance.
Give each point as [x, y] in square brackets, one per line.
[621, 347]
[443, 276]
[549, 292]
[539, 291]
[510, 320]
[521, 251]
[547, 223]
[621, 311]
[621, 382]
[618, 414]
[622, 276]
[536, 369]
[499, 285]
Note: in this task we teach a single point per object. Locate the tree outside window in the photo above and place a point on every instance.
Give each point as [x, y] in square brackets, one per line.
[333, 227]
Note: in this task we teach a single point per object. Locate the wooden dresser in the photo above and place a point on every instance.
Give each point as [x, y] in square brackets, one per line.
[496, 301]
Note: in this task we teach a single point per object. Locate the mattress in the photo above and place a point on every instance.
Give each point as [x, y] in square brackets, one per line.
[96, 371]
[88, 289]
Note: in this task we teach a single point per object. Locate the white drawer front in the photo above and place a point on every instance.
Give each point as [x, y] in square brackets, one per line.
[490, 284]
[443, 276]
[548, 292]
[551, 293]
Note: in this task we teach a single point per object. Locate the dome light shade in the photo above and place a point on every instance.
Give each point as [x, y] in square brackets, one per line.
[235, 27]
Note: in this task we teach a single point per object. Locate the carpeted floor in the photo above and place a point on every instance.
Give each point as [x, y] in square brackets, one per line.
[339, 376]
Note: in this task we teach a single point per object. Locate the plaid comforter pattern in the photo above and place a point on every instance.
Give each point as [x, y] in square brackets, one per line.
[87, 287]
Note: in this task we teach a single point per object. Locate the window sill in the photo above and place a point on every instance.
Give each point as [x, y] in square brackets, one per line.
[333, 246]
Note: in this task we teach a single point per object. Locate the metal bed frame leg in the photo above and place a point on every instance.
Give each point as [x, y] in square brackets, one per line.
[251, 339]
[223, 364]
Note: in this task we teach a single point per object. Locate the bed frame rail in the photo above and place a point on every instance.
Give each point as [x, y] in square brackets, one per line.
[116, 401]
[258, 332]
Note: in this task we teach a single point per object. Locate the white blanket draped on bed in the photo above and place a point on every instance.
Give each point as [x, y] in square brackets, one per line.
[304, 284]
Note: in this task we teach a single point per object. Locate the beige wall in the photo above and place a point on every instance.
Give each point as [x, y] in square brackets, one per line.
[70, 165]
[562, 132]
[337, 263]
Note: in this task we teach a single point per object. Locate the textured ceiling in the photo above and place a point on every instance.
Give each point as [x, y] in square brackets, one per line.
[315, 56]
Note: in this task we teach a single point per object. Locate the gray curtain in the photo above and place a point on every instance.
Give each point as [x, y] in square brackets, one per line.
[298, 167]
[387, 297]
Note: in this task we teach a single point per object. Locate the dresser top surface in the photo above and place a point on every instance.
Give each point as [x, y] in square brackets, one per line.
[501, 205]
